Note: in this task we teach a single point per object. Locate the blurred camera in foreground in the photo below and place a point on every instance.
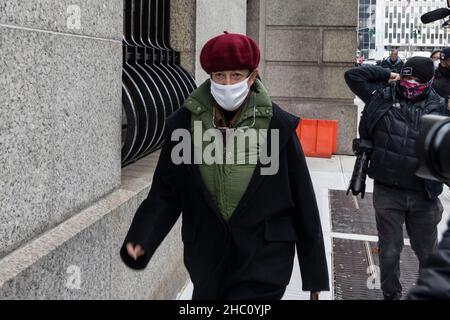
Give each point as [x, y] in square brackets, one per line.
[433, 148]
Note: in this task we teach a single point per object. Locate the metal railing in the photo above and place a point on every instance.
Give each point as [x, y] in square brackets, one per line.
[154, 83]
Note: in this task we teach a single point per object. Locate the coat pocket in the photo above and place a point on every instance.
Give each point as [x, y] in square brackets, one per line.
[280, 229]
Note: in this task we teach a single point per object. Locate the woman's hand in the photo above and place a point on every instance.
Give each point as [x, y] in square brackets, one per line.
[134, 250]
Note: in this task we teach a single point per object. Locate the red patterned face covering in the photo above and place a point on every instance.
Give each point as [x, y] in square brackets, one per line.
[411, 89]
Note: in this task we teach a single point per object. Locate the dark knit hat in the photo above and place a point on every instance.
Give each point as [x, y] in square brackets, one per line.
[445, 54]
[420, 67]
[436, 51]
[230, 52]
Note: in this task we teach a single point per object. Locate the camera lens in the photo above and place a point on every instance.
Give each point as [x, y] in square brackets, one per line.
[442, 151]
[433, 148]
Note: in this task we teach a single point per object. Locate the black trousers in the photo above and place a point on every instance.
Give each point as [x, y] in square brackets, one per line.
[395, 207]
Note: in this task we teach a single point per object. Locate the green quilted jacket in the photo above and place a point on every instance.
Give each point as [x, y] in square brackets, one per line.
[228, 176]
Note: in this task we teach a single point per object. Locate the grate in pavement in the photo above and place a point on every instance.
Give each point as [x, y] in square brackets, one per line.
[351, 273]
[353, 215]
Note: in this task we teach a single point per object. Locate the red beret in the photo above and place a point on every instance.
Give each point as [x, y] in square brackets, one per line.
[230, 52]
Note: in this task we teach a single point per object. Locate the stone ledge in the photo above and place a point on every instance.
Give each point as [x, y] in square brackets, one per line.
[27, 255]
[90, 241]
[98, 18]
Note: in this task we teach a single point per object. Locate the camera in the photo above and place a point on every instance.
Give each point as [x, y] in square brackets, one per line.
[362, 150]
[433, 148]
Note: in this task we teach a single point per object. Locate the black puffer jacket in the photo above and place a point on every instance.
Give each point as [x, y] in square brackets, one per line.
[442, 82]
[393, 124]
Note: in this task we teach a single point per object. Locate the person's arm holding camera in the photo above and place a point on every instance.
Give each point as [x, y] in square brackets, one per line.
[364, 81]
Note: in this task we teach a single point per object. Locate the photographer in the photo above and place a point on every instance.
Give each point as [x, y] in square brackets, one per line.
[389, 127]
[436, 57]
[442, 77]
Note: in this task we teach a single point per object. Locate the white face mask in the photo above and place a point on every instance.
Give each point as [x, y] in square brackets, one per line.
[436, 64]
[230, 97]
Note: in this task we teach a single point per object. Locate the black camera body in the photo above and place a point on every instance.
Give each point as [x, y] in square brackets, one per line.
[362, 150]
[433, 149]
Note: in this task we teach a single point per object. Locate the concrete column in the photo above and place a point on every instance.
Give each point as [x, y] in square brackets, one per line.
[213, 18]
[307, 46]
[65, 203]
[182, 31]
[60, 107]
[380, 30]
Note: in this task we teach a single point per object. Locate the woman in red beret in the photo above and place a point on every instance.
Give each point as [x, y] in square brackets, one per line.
[241, 220]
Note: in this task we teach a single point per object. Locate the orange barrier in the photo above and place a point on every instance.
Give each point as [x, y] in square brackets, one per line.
[318, 137]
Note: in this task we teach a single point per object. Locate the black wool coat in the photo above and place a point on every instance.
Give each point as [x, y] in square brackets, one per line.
[251, 255]
[434, 278]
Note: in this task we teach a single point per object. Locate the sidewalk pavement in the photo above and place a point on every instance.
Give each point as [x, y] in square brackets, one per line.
[326, 174]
